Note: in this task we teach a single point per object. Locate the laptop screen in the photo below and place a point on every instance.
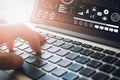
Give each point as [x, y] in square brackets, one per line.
[98, 18]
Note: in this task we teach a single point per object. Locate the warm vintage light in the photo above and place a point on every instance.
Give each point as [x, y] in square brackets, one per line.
[15, 11]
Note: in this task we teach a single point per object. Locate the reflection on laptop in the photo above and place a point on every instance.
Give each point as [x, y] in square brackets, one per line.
[83, 42]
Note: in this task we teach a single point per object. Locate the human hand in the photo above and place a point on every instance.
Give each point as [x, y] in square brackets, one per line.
[8, 33]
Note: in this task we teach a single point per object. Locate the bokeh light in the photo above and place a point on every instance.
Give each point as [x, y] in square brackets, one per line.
[15, 11]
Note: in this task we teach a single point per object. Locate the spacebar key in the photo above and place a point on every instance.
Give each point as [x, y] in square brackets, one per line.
[30, 71]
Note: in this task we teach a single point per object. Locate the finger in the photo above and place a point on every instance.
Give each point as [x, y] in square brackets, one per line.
[22, 31]
[35, 44]
[42, 38]
[10, 45]
[34, 39]
[10, 61]
[25, 33]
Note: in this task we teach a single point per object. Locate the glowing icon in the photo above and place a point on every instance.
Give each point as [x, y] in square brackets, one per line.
[116, 30]
[81, 13]
[106, 11]
[104, 18]
[87, 11]
[106, 28]
[94, 9]
[97, 26]
[99, 13]
[101, 27]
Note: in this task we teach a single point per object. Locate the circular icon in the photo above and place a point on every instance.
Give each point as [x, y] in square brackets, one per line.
[75, 21]
[86, 24]
[52, 16]
[45, 15]
[67, 2]
[91, 25]
[106, 11]
[81, 23]
[115, 17]
[39, 13]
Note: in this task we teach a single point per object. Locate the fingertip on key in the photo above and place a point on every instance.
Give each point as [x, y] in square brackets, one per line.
[38, 54]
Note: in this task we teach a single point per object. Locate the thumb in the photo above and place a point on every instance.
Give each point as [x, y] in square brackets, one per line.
[10, 61]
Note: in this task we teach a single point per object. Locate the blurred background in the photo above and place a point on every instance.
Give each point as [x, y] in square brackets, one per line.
[15, 11]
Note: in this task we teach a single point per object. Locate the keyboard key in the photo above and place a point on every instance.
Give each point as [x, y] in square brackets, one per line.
[53, 49]
[86, 45]
[109, 59]
[46, 55]
[58, 43]
[22, 40]
[48, 77]
[51, 40]
[30, 71]
[118, 55]
[59, 72]
[19, 52]
[94, 64]
[42, 51]
[76, 43]
[18, 43]
[76, 49]
[3, 47]
[64, 63]
[118, 63]
[106, 68]
[87, 72]
[82, 60]
[117, 73]
[109, 52]
[39, 63]
[97, 55]
[86, 52]
[46, 38]
[72, 56]
[67, 46]
[31, 59]
[24, 46]
[59, 38]
[70, 76]
[51, 35]
[67, 40]
[97, 48]
[34, 53]
[46, 46]
[62, 52]
[44, 33]
[25, 55]
[49, 67]
[29, 50]
[55, 59]
[100, 76]
[75, 67]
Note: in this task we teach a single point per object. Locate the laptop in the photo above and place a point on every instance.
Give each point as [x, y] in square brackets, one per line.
[82, 42]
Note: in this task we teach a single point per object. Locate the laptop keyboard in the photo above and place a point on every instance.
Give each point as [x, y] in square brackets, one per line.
[65, 59]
